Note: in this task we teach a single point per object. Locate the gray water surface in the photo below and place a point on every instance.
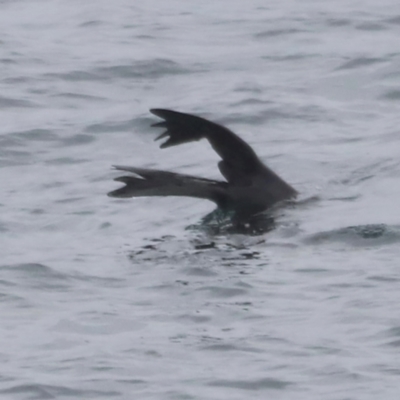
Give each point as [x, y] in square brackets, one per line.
[119, 299]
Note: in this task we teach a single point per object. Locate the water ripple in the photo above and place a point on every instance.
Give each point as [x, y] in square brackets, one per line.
[256, 384]
[150, 69]
[361, 235]
[360, 62]
[41, 391]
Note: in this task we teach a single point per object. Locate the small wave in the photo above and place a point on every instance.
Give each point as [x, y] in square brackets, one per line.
[393, 95]
[78, 139]
[11, 145]
[381, 168]
[257, 384]
[3, 227]
[64, 161]
[40, 135]
[338, 22]
[31, 268]
[370, 26]
[277, 32]
[36, 275]
[79, 96]
[10, 158]
[394, 20]
[39, 391]
[361, 235]
[250, 101]
[7, 102]
[223, 292]
[149, 69]
[359, 62]
[143, 69]
[123, 126]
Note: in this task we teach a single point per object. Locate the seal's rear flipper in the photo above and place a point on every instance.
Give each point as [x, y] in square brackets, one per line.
[184, 128]
[149, 182]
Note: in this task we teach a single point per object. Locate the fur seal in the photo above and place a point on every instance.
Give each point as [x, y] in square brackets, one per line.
[250, 187]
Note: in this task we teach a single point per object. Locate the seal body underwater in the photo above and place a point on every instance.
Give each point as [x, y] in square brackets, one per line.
[250, 187]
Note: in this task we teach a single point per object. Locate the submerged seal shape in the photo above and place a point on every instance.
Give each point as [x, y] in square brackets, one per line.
[250, 187]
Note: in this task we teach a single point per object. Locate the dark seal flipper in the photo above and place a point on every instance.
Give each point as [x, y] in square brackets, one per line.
[184, 128]
[151, 182]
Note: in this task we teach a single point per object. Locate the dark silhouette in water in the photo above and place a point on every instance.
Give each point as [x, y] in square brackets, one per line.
[250, 187]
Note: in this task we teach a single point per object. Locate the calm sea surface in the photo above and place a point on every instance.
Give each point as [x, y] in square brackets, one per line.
[119, 299]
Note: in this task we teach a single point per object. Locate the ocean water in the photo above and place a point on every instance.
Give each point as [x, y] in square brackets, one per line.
[119, 299]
